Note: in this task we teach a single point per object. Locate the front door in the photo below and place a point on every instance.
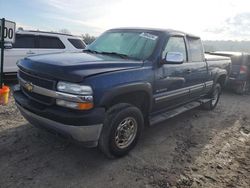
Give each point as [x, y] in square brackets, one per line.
[170, 79]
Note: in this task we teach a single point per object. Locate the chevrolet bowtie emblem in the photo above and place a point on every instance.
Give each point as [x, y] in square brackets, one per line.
[29, 86]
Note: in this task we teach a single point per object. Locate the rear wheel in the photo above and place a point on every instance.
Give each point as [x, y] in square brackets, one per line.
[215, 96]
[122, 128]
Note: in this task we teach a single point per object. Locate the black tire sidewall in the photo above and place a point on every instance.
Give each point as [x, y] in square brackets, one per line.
[209, 105]
[112, 122]
[216, 87]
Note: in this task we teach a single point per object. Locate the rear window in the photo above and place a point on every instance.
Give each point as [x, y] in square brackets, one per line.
[245, 59]
[50, 42]
[24, 41]
[77, 43]
[196, 49]
[237, 60]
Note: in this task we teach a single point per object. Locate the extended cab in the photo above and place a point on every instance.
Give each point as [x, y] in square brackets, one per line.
[126, 79]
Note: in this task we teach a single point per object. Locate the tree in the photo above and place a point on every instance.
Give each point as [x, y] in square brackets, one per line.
[64, 31]
[87, 38]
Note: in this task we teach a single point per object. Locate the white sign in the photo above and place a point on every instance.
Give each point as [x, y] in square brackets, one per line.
[9, 31]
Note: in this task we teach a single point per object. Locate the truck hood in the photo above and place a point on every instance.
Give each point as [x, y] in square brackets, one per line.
[73, 67]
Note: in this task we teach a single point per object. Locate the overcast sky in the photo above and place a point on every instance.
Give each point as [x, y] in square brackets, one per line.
[211, 19]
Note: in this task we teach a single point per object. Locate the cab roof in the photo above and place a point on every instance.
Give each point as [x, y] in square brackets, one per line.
[160, 30]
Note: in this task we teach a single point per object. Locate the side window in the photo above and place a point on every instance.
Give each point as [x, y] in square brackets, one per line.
[77, 43]
[50, 42]
[175, 44]
[24, 41]
[196, 49]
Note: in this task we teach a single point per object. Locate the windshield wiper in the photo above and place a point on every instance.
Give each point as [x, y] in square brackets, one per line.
[116, 54]
[91, 51]
[124, 56]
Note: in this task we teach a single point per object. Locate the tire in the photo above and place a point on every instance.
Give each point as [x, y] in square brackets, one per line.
[215, 95]
[122, 128]
[242, 88]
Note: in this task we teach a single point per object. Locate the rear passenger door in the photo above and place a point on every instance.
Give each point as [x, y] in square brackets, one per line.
[50, 44]
[197, 67]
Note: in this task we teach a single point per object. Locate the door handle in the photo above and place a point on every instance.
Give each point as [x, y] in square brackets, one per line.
[30, 53]
[188, 71]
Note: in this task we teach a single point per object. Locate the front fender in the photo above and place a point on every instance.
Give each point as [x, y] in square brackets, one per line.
[127, 88]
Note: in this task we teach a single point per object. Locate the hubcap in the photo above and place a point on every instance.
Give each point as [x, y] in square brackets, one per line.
[125, 132]
[215, 97]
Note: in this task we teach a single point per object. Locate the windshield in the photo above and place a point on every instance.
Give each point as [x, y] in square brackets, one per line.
[135, 45]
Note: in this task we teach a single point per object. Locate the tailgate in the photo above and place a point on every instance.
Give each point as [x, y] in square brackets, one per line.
[235, 71]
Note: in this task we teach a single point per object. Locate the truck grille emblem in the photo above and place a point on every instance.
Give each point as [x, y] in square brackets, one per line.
[29, 86]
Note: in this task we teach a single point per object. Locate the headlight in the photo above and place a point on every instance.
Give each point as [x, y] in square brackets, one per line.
[74, 88]
[85, 94]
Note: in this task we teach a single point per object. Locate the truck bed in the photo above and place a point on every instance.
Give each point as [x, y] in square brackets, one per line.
[219, 61]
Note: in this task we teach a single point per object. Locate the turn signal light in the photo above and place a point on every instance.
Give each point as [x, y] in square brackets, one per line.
[75, 105]
[85, 106]
[243, 69]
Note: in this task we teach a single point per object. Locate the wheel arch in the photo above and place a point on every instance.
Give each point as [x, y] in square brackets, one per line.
[137, 94]
[221, 78]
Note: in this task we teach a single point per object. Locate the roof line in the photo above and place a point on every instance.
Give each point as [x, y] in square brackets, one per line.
[48, 32]
[157, 30]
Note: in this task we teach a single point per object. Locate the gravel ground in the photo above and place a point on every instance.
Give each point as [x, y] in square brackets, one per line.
[196, 149]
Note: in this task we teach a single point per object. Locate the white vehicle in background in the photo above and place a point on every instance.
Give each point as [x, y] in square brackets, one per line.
[29, 43]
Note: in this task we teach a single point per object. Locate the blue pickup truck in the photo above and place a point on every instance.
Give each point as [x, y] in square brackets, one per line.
[127, 79]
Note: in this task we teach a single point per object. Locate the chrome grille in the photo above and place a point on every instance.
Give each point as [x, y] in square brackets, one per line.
[36, 80]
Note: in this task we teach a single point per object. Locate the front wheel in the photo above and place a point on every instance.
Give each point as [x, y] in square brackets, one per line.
[121, 130]
[215, 96]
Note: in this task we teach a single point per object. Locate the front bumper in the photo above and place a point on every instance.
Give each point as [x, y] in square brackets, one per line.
[84, 127]
[86, 134]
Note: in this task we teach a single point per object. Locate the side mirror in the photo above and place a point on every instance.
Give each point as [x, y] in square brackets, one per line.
[174, 58]
[7, 45]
